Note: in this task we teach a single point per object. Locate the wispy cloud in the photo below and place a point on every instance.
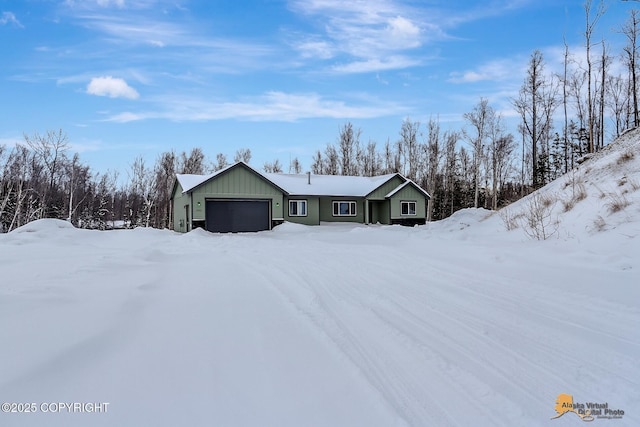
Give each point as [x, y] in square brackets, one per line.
[87, 146]
[451, 17]
[140, 33]
[495, 70]
[8, 18]
[134, 30]
[375, 35]
[312, 47]
[108, 3]
[116, 4]
[376, 64]
[367, 36]
[271, 106]
[111, 87]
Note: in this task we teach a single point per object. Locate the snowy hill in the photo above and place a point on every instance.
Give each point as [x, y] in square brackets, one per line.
[601, 194]
[467, 321]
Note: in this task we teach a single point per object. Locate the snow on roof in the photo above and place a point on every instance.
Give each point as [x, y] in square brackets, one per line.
[190, 181]
[327, 185]
[298, 184]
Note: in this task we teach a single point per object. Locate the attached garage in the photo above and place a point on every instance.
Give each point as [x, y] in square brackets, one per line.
[237, 216]
[235, 199]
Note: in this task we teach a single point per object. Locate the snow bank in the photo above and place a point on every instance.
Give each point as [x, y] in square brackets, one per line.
[462, 219]
[290, 227]
[44, 226]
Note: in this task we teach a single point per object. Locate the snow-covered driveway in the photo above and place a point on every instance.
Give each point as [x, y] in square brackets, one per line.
[317, 326]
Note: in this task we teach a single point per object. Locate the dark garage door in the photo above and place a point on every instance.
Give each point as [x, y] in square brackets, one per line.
[224, 216]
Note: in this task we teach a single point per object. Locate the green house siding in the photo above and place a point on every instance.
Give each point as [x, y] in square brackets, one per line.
[181, 204]
[408, 194]
[236, 183]
[381, 192]
[313, 210]
[326, 209]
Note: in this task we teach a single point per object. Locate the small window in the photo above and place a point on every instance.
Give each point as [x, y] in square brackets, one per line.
[344, 208]
[297, 208]
[408, 208]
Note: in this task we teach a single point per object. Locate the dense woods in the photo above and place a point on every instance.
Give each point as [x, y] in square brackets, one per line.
[562, 118]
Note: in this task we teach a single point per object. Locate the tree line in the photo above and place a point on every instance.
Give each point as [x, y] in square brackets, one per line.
[480, 165]
[42, 179]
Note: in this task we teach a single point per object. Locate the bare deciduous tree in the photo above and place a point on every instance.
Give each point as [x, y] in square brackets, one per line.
[141, 185]
[295, 166]
[242, 155]
[536, 103]
[391, 159]
[49, 149]
[605, 61]
[617, 102]
[102, 214]
[565, 83]
[331, 162]
[78, 177]
[588, 33]
[348, 146]
[433, 153]
[193, 163]
[317, 164]
[273, 167]
[221, 162]
[165, 172]
[479, 118]
[408, 148]
[371, 162]
[631, 31]
[450, 172]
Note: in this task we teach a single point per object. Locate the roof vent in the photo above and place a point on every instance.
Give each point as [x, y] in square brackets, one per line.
[309, 178]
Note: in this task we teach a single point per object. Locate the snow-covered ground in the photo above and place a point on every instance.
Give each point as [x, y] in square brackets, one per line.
[460, 322]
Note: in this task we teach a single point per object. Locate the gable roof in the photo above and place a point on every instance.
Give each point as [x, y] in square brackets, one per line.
[305, 185]
[327, 185]
[189, 182]
[408, 182]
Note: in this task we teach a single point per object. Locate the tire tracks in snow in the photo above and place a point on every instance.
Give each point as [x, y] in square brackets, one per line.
[345, 314]
[440, 334]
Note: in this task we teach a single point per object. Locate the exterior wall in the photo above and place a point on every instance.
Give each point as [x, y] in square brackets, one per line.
[237, 183]
[386, 188]
[326, 209]
[408, 194]
[180, 219]
[313, 210]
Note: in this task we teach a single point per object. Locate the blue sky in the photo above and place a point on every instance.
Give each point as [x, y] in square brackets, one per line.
[138, 77]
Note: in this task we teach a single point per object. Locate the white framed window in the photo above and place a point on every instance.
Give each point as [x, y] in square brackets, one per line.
[297, 208]
[407, 208]
[344, 208]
